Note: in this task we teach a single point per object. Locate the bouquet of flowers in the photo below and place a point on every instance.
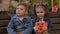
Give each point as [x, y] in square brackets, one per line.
[41, 27]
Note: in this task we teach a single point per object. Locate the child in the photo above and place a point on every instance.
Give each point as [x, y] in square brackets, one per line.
[41, 16]
[20, 23]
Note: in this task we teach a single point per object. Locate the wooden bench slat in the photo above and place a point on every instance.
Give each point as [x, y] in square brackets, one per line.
[4, 22]
[55, 20]
[4, 16]
[56, 26]
[3, 30]
[55, 32]
[53, 15]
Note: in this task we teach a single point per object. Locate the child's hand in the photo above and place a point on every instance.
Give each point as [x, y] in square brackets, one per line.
[35, 28]
[18, 33]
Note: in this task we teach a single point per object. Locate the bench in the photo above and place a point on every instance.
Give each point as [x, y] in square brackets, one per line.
[4, 20]
[54, 17]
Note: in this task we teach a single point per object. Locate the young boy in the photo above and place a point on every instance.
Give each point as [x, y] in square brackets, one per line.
[20, 23]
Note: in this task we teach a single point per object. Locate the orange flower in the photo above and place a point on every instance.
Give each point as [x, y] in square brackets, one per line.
[40, 26]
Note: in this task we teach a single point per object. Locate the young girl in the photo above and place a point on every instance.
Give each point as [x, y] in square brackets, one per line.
[41, 16]
[20, 23]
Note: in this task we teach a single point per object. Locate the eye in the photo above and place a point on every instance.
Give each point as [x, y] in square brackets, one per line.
[21, 9]
[40, 12]
[37, 12]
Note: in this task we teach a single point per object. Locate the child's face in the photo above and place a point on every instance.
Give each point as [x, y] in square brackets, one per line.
[21, 10]
[40, 12]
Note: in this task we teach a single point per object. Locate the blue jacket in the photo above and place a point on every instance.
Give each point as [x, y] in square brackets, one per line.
[24, 27]
[36, 19]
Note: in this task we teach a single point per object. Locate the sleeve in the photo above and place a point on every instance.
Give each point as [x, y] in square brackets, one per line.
[10, 27]
[49, 26]
[29, 29]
